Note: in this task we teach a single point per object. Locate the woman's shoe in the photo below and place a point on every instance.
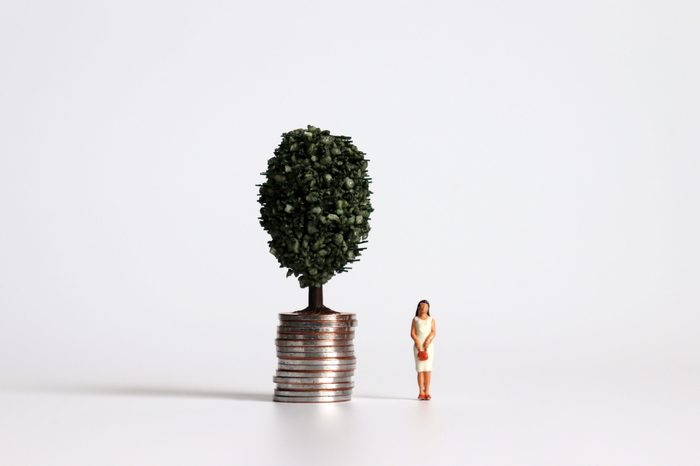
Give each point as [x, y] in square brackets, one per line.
[427, 397]
[422, 397]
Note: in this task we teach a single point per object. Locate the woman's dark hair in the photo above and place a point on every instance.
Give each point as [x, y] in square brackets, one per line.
[421, 302]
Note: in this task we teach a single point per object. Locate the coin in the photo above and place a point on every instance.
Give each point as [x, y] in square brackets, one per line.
[315, 367]
[318, 343]
[297, 391]
[313, 397]
[316, 357]
[314, 336]
[346, 368]
[315, 345]
[311, 392]
[316, 399]
[283, 356]
[309, 371]
[316, 328]
[346, 331]
[278, 379]
[286, 316]
[309, 324]
[314, 385]
[303, 350]
[331, 323]
[303, 357]
[302, 369]
[319, 373]
[327, 354]
[350, 325]
[315, 349]
[288, 361]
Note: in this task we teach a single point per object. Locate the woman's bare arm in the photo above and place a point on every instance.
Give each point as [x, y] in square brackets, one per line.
[414, 336]
[431, 335]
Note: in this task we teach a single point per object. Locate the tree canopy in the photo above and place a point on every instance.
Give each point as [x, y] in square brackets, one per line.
[315, 204]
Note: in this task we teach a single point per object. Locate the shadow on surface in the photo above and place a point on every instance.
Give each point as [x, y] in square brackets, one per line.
[380, 397]
[153, 391]
[176, 392]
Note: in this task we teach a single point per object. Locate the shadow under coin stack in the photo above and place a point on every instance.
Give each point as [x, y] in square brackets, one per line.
[316, 357]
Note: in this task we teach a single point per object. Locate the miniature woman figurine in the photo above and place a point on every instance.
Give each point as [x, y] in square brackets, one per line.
[423, 334]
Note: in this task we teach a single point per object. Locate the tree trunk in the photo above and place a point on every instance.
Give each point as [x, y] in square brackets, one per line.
[316, 302]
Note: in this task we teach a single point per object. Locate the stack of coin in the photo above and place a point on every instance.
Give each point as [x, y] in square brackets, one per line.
[316, 357]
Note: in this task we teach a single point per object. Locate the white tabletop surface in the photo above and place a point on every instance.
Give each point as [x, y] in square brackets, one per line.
[529, 421]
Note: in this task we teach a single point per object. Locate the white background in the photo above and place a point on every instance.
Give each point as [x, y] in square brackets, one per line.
[535, 175]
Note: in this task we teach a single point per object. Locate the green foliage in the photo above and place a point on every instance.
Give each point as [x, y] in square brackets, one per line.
[315, 204]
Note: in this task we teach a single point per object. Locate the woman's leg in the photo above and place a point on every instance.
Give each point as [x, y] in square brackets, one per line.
[421, 382]
[426, 380]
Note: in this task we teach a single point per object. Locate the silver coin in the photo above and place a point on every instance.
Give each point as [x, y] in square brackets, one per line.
[315, 374]
[314, 336]
[344, 375]
[319, 365]
[312, 396]
[319, 373]
[281, 356]
[325, 343]
[319, 343]
[312, 343]
[309, 371]
[307, 393]
[317, 336]
[306, 324]
[321, 358]
[318, 399]
[317, 321]
[278, 379]
[347, 331]
[316, 367]
[314, 385]
[333, 378]
[296, 365]
[302, 350]
[304, 357]
[305, 315]
[315, 349]
[303, 326]
[316, 318]
[315, 361]
[317, 328]
[310, 391]
[347, 368]
[330, 317]
[316, 354]
[313, 388]
[303, 363]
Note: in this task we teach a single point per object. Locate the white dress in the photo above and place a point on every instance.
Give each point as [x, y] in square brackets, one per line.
[423, 328]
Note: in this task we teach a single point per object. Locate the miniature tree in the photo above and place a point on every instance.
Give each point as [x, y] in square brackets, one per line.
[316, 207]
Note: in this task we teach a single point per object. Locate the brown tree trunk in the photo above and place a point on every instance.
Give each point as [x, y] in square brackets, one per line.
[316, 302]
